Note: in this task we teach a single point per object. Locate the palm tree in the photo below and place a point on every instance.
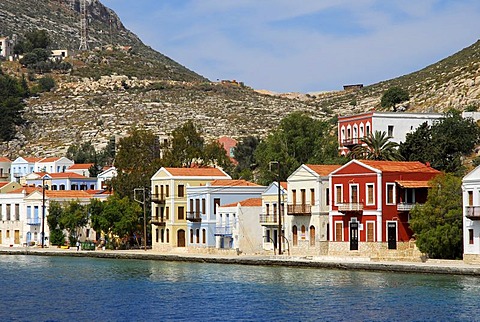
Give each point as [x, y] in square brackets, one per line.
[376, 146]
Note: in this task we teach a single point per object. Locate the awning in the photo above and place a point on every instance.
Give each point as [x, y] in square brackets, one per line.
[412, 184]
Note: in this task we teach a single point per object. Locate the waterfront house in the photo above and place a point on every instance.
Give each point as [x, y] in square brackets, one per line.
[203, 203]
[237, 227]
[471, 216]
[5, 165]
[351, 129]
[169, 202]
[21, 213]
[370, 207]
[307, 220]
[269, 216]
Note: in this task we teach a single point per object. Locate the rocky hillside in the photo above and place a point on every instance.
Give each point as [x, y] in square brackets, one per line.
[122, 83]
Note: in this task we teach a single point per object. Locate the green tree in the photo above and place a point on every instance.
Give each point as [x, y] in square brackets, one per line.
[215, 155]
[244, 154]
[55, 212]
[393, 96]
[73, 218]
[444, 143]
[298, 139]
[116, 216]
[32, 40]
[187, 146]
[137, 160]
[437, 224]
[82, 153]
[46, 83]
[377, 147]
[12, 107]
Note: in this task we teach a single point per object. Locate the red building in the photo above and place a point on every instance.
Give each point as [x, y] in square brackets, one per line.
[371, 202]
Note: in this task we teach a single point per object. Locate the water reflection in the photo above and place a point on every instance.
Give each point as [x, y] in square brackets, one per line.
[60, 288]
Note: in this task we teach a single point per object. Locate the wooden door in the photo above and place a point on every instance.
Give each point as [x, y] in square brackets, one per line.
[312, 236]
[392, 235]
[16, 237]
[338, 231]
[295, 235]
[370, 232]
[181, 238]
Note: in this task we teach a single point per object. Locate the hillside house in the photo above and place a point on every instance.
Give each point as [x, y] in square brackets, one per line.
[351, 129]
[62, 181]
[5, 166]
[6, 47]
[22, 166]
[370, 207]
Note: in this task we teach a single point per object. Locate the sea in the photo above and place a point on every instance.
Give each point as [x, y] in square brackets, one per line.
[42, 288]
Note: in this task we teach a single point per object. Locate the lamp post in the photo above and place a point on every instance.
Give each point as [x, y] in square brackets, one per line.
[45, 176]
[279, 207]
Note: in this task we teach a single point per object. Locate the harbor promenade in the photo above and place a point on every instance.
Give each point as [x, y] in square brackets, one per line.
[431, 266]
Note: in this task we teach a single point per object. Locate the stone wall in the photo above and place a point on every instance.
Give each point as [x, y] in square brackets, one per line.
[377, 250]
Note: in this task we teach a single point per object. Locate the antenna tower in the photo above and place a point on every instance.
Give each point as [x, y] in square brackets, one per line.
[83, 25]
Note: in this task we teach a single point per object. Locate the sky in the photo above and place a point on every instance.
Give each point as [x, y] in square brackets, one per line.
[303, 45]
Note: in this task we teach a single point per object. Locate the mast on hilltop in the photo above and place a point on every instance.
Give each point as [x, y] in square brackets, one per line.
[83, 25]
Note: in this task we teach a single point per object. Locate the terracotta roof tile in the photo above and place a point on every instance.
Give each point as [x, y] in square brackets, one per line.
[80, 166]
[195, 172]
[231, 182]
[67, 194]
[399, 166]
[413, 184]
[4, 159]
[323, 169]
[50, 159]
[251, 202]
[2, 184]
[32, 159]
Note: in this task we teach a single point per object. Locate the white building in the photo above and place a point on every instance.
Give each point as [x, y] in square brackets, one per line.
[351, 129]
[6, 47]
[471, 216]
[238, 229]
[307, 223]
[5, 165]
[202, 206]
[53, 165]
[105, 178]
[269, 216]
[22, 166]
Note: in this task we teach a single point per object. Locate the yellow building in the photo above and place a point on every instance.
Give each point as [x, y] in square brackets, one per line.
[169, 202]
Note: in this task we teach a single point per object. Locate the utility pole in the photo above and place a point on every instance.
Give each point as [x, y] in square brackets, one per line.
[144, 203]
[83, 25]
[279, 207]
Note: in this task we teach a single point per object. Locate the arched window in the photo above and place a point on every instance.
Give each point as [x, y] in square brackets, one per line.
[312, 235]
[191, 236]
[204, 236]
[198, 236]
[295, 235]
[303, 231]
[167, 235]
[156, 235]
[362, 133]
[162, 232]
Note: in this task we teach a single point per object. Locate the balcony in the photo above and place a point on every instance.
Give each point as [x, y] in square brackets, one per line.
[472, 212]
[351, 142]
[299, 210]
[158, 221]
[158, 198]
[350, 207]
[268, 219]
[34, 221]
[223, 231]
[405, 206]
[194, 216]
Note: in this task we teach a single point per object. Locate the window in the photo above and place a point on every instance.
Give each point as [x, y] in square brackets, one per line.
[17, 211]
[181, 191]
[162, 232]
[167, 191]
[370, 194]
[390, 193]
[470, 198]
[303, 195]
[8, 211]
[167, 214]
[203, 206]
[191, 206]
[390, 130]
[181, 213]
[303, 231]
[274, 209]
[327, 196]
[197, 207]
[338, 231]
[267, 207]
[367, 132]
[216, 203]
[198, 235]
[191, 236]
[295, 235]
[204, 236]
[156, 235]
[312, 236]
[338, 194]
[312, 197]
[354, 193]
[294, 196]
[470, 236]
[167, 233]
[370, 231]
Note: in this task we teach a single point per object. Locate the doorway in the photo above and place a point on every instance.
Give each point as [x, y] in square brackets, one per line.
[354, 235]
[392, 234]
[181, 238]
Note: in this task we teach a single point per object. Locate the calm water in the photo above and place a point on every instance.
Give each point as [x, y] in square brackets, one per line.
[84, 289]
